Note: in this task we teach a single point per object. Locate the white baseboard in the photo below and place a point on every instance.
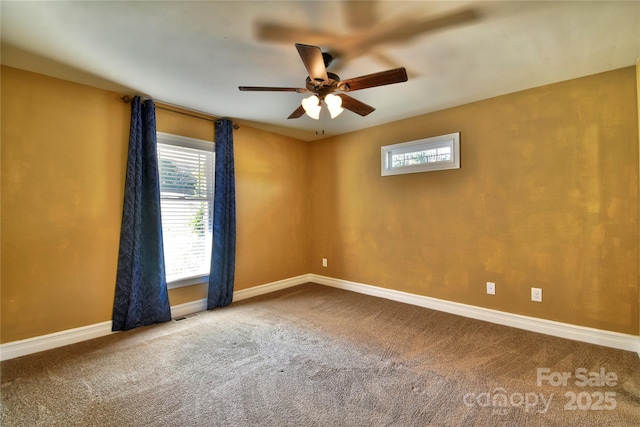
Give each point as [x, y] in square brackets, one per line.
[201, 305]
[19, 348]
[188, 308]
[579, 333]
[548, 327]
[271, 287]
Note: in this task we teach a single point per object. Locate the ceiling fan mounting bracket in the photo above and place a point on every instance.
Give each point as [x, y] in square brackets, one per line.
[327, 58]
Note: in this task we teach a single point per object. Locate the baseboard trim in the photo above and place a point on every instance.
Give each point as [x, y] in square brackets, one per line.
[19, 348]
[271, 287]
[201, 305]
[188, 308]
[617, 340]
[548, 327]
[14, 349]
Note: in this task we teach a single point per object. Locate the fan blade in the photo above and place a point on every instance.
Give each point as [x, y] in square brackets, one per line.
[360, 15]
[284, 34]
[400, 31]
[272, 89]
[313, 62]
[354, 105]
[385, 60]
[298, 113]
[397, 75]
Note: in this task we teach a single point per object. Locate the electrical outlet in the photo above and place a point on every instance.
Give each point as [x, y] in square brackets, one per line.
[324, 262]
[491, 288]
[536, 294]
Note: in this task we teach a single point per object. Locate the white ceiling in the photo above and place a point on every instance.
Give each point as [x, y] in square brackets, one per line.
[196, 54]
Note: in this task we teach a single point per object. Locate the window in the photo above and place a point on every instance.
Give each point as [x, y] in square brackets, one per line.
[423, 155]
[186, 202]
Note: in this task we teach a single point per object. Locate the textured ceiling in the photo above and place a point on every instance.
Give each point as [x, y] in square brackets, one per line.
[196, 54]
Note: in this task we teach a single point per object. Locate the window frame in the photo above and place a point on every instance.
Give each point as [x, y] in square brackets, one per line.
[197, 144]
[451, 140]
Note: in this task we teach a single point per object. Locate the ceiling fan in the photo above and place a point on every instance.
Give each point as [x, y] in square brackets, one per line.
[323, 84]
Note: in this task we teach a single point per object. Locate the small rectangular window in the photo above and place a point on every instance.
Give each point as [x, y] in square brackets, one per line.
[186, 202]
[423, 155]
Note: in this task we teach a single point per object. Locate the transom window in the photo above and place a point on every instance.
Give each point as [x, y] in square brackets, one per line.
[429, 154]
[186, 201]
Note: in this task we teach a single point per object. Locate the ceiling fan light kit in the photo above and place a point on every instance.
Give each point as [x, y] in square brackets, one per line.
[322, 84]
[312, 106]
[334, 105]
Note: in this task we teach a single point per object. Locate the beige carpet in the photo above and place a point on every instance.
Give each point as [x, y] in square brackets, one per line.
[318, 356]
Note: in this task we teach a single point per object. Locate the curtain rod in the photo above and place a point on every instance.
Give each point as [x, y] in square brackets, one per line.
[167, 107]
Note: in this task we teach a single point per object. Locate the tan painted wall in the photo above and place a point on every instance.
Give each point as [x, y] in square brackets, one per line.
[547, 197]
[272, 207]
[64, 151]
[63, 160]
[638, 100]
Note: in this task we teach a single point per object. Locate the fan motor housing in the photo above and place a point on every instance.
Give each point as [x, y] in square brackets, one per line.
[323, 88]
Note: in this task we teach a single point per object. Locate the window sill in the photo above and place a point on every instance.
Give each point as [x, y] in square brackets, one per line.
[180, 283]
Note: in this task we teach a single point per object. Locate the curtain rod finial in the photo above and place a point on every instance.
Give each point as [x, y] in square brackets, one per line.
[235, 126]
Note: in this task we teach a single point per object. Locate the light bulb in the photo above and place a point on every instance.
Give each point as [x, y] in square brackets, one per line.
[334, 105]
[312, 107]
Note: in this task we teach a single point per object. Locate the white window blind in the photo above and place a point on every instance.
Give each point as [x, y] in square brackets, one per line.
[423, 155]
[434, 155]
[186, 197]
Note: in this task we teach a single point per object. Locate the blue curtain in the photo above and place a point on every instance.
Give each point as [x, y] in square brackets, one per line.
[141, 296]
[223, 257]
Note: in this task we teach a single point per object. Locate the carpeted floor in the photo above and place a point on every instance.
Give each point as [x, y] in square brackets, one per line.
[318, 356]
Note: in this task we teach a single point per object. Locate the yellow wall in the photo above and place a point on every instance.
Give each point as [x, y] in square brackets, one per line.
[272, 207]
[638, 100]
[64, 148]
[63, 159]
[547, 196]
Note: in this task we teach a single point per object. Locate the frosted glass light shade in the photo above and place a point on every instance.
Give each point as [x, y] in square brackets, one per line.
[312, 106]
[334, 105]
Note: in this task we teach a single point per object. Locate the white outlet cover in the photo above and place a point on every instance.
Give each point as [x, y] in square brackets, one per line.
[536, 294]
[491, 288]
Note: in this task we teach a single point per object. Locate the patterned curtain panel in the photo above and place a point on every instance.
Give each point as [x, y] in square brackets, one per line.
[141, 296]
[223, 257]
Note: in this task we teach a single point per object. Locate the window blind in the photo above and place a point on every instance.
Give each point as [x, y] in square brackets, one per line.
[186, 199]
